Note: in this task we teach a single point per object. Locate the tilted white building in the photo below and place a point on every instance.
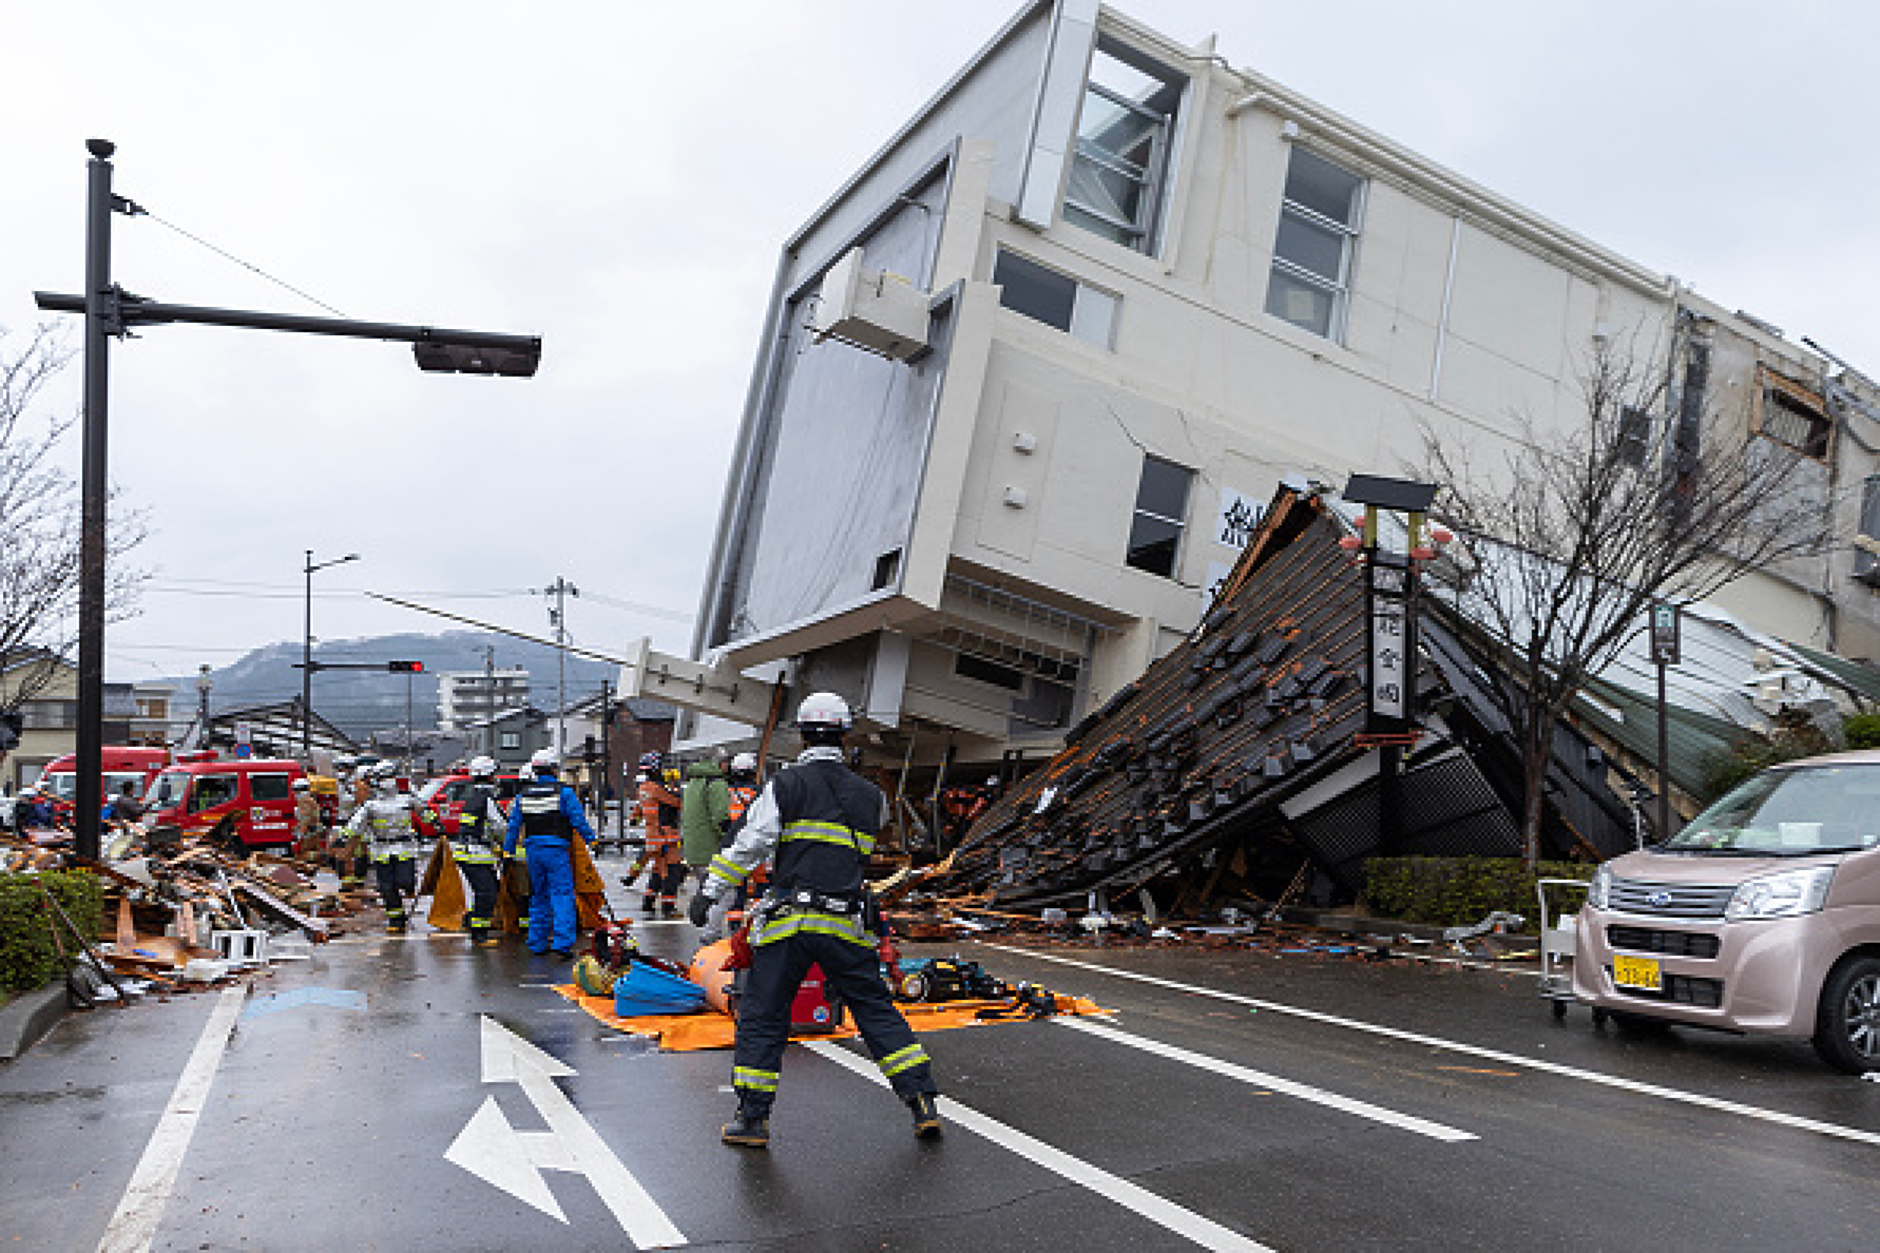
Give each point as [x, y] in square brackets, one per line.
[1028, 377]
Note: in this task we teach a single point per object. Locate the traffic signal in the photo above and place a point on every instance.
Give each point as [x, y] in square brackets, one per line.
[11, 724]
[405, 667]
[436, 357]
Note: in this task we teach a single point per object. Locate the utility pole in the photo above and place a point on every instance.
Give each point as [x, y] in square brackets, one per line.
[560, 589]
[607, 748]
[306, 654]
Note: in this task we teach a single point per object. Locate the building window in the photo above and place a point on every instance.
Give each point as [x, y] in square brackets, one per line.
[1120, 165]
[1055, 299]
[1318, 231]
[1634, 436]
[48, 715]
[1792, 415]
[1161, 506]
[509, 740]
[985, 671]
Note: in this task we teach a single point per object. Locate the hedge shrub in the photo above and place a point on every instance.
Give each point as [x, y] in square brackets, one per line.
[1459, 891]
[28, 958]
[1861, 731]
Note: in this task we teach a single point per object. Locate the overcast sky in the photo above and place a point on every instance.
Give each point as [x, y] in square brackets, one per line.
[618, 178]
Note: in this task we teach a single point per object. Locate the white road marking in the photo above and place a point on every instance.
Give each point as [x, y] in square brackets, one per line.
[1259, 1078]
[134, 1226]
[1475, 1050]
[1165, 1213]
[489, 1148]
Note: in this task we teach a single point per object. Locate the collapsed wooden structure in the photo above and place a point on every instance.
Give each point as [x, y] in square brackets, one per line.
[1235, 766]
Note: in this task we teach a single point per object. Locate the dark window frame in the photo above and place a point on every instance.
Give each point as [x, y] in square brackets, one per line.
[1160, 555]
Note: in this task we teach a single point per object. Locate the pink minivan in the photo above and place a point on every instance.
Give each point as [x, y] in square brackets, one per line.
[1761, 916]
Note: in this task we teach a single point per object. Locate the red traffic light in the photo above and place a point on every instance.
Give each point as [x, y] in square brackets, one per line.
[405, 667]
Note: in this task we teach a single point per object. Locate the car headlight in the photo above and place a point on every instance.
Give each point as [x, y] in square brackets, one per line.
[1601, 887]
[1786, 895]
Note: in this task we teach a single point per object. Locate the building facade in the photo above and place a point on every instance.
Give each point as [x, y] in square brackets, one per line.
[1085, 311]
[465, 696]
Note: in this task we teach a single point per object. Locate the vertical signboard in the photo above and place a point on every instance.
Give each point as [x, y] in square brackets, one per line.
[1393, 648]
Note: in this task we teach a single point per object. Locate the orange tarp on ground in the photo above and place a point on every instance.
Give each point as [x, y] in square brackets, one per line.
[709, 1029]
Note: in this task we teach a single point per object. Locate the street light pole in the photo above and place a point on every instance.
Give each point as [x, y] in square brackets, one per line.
[306, 653]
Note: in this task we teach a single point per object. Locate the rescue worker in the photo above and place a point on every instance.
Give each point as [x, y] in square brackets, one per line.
[390, 824]
[474, 847]
[660, 808]
[548, 813]
[704, 814]
[309, 822]
[124, 806]
[741, 790]
[821, 820]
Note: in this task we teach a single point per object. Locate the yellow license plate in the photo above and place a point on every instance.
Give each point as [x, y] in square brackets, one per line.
[1638, 972]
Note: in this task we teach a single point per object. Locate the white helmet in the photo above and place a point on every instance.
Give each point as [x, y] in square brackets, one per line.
[544, 761]
[482, 768]
[824, 711]
[385, 771]
[744, 763]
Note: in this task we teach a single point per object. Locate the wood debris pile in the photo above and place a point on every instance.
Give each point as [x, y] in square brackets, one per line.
[196, 911]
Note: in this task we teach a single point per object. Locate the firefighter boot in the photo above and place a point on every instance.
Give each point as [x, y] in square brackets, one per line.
[749, 1127]
[926, 1115]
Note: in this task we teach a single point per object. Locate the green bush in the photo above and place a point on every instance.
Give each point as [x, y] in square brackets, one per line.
[1459, 891]
[28, 957]
[1861, 731]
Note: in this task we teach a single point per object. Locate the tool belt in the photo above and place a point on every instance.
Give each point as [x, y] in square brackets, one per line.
[807, 900]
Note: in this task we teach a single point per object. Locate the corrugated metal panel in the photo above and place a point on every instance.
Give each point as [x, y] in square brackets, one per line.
[1691, 737]
[1862, 679]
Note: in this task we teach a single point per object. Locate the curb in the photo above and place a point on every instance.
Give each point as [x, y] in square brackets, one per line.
[27, 1017]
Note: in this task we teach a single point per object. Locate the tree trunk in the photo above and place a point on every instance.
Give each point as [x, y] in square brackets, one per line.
[1534, 737]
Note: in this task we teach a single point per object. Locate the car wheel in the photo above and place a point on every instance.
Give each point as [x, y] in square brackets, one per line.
[1847, 1025]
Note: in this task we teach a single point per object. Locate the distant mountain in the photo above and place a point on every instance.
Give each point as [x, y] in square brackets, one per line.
[366, 700]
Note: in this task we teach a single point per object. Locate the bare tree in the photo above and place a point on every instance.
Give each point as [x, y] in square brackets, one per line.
[39, 526]
[1577, 529]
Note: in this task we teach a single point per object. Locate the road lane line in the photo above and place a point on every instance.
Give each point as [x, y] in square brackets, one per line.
[134, 1226]
[1475, 1050]
[1165, 1213]
[1260, 1078]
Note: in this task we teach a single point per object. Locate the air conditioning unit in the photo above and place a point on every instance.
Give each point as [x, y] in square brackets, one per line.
[871, 309]
[1867, 559]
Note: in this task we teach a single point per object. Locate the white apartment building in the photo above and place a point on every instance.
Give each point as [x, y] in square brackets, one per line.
[468, 696]
[1028, 377]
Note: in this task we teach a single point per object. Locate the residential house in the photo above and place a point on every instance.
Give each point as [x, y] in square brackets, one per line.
[43, 689]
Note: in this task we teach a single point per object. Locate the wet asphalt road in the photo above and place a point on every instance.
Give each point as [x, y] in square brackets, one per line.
[1349, 1106]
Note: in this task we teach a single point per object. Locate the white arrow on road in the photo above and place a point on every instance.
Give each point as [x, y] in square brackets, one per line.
[495, 1152]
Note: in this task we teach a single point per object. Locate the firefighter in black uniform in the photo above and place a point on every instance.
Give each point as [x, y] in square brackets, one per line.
[476, 845]
[816, 822]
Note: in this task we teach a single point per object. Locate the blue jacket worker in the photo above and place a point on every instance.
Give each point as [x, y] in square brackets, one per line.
[816, 822]
[549, 814]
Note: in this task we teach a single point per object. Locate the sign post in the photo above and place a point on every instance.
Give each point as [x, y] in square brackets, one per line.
[1666, 621]
[1390, 592]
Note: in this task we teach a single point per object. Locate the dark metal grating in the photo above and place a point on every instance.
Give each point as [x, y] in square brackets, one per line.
[1670, 943]
[1683, 990]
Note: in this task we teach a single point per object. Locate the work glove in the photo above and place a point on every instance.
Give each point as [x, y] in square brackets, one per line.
[699, 912]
